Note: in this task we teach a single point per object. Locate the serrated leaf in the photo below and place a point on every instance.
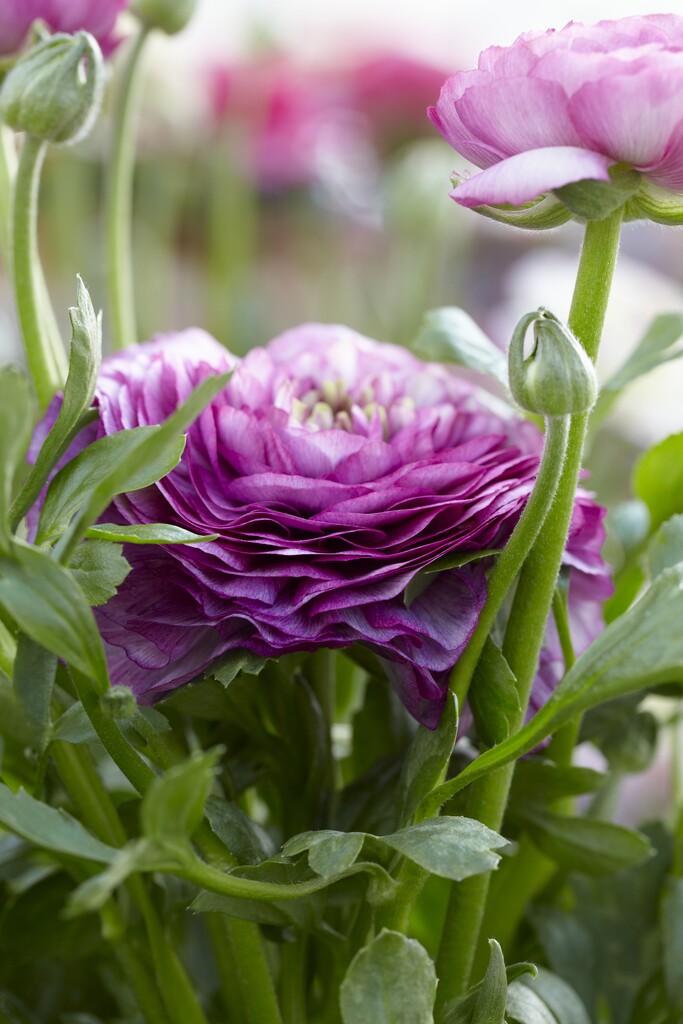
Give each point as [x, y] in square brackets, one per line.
[48, 605]
[173, 807]
[146, 533]
[74, 483]
[493, 695]
[85, 357]
[653, 349]
[491, 999]
[559, 997]
[665, 550]
[658, 479]
[150, 458]
[450, 335]
[589, 845]
[390, 981]
[99, 568]
[642, 648]
[672, 942]
[245, 839]
[15, 431]
[34, 679]
[229, 666]
[427, 759]
[451, 847]
[50, 828]
[329, 852]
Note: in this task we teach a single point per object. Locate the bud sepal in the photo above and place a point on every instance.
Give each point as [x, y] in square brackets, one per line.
[557, 378]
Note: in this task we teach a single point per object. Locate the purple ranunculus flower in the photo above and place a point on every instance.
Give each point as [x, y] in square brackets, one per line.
[333, 468]
[95, 16]
[563, 106]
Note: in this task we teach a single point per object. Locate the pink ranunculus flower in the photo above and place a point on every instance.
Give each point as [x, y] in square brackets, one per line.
[559, 107]
[95, 16]
[333, 469]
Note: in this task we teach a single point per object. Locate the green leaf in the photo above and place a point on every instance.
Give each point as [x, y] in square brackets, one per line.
[147, 533]
[99, 568]
[245, 839]
[459, 1010]
[559, 997]
[75, 482]
[390, 981]
[493, 695]
[672, 942]
[230, 665]
[589, 845]
[665, 550]
[50, 828]
[329, 852]
[653, 349]
[449, 335]
[48, 605]
[595, 200]
[642, 648]
[150, 457]
[16, 420]
[34, 679]
[491, 1000]
[74, 726]
[525, 1007]
[85, 357]
[173, 807]
[139, 855]
[451, 847]
[544, 782]
[658, 479]
[427, 759]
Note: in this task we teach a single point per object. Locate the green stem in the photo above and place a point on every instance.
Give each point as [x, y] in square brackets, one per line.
[511, 558]
[252, 967]
[8, 172]
[293, 981]
[531, 606]
[46, 363]
[120, 201]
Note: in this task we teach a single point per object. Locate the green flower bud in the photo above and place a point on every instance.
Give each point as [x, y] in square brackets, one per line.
[169, 15]
[557, 378]
[54, 91]
[119, 702]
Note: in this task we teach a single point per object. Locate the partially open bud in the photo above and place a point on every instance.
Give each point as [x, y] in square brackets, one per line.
[557, 378]
[119, 702]
[54, 91]
[169, 15]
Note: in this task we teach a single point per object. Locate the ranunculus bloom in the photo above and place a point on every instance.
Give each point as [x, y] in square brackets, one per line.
[333, 468]
[559, 107]
[95, 16]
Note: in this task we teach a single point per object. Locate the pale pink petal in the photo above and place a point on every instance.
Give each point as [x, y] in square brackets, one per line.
[525, 176]
[518, 114]
[630, 117]
[446, 119]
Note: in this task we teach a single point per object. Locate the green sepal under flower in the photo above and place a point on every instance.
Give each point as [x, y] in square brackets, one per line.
[169, 15]
[557, 378]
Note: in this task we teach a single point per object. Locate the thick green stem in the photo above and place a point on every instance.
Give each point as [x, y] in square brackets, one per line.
[119, 211]
[531, 606]
[511, 558]
[8, 172]
[45, 360]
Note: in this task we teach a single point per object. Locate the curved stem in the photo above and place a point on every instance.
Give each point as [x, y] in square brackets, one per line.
[45, 361]
[119, 210]
[511, 558]
[8, 172]
[531, 606]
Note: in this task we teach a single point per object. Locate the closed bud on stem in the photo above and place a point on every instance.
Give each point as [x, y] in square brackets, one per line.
[557, 378]
[169, 15]
[54, 91]
[119, 702]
